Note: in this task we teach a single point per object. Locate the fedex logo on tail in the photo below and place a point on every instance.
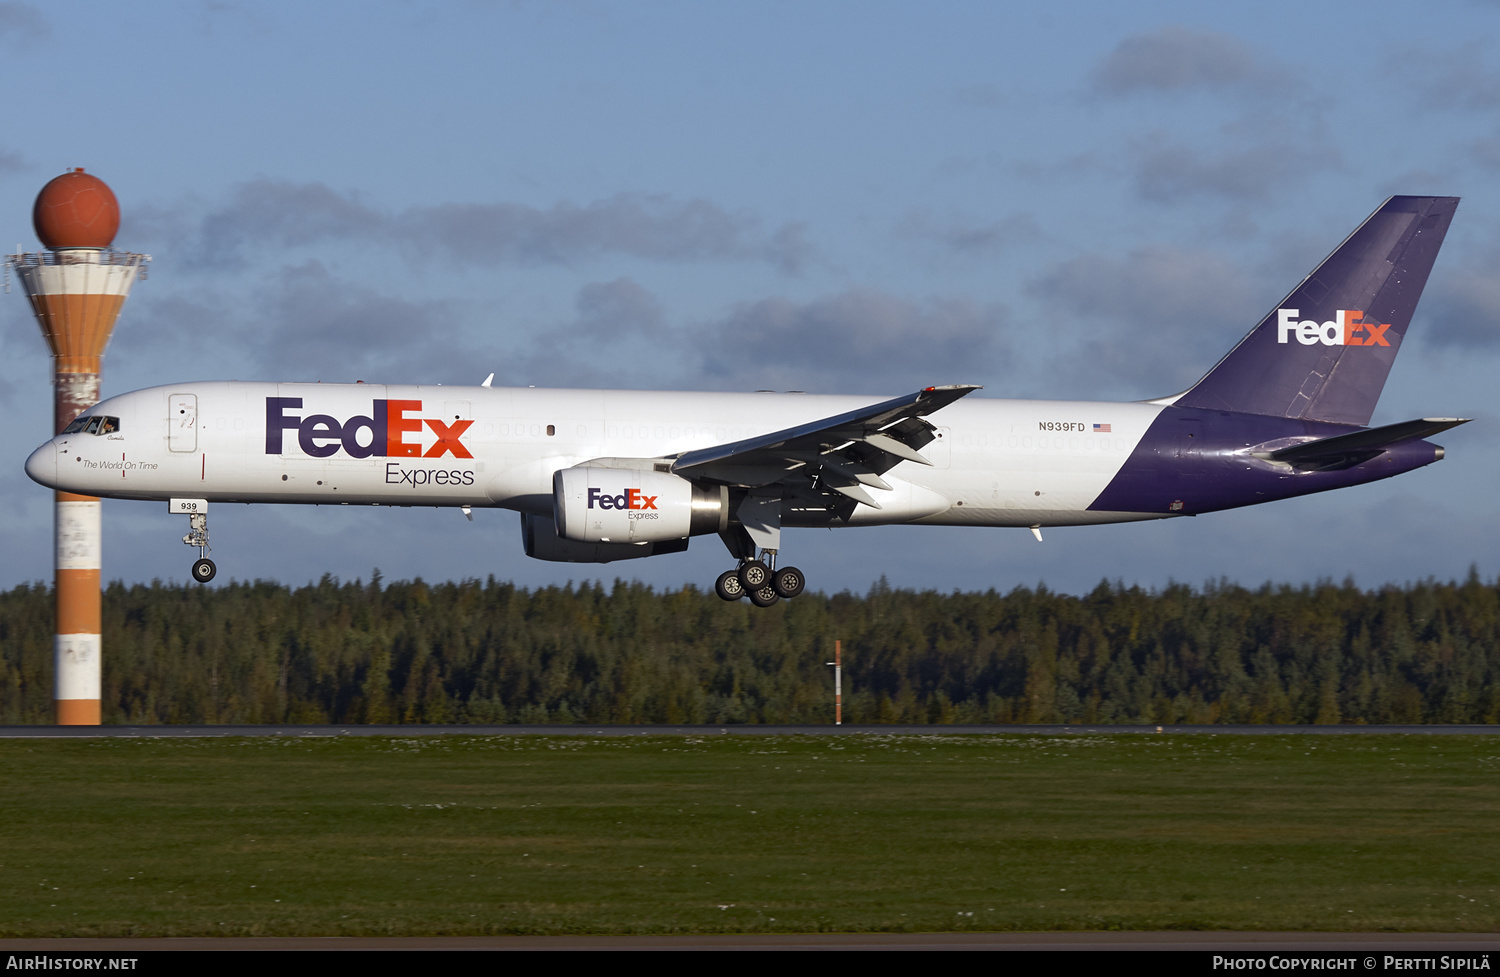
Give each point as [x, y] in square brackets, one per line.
[322, 435]
[629, 499]
[1346, 329]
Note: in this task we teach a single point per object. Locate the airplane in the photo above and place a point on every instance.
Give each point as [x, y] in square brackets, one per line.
[604, 475]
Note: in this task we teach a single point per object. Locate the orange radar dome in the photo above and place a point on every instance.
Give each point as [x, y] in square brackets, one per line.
[76, 210]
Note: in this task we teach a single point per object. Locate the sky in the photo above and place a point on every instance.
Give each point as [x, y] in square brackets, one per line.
[1073, 200]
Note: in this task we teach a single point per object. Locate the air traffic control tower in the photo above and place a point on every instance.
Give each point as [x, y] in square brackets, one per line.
[77, 287]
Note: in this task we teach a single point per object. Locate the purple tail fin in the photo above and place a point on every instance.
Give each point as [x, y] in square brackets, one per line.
[1323, 354]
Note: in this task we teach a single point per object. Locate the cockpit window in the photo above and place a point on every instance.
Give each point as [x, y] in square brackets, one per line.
[93, 424]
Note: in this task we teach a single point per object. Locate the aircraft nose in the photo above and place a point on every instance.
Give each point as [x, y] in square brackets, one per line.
[42, 465]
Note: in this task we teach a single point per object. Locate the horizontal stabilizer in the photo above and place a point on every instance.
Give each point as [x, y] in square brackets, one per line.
[1327, 452]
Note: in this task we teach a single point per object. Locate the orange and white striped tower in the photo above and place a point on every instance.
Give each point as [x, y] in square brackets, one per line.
[76, 289]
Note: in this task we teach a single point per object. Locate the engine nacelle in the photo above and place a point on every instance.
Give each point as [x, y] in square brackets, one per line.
[624, 505]
[542, 543]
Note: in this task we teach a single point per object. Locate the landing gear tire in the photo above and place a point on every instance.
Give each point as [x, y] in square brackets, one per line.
[204, 570]
[728, 585]
[754, 575]
[788, 582]
[765, 596]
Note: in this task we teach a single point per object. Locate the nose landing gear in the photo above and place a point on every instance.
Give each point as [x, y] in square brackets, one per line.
[197, 512]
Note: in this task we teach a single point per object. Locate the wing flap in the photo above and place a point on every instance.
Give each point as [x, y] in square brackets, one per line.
[890, 445]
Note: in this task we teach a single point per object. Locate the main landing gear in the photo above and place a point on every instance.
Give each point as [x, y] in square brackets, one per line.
[759, 580]
[757, 527]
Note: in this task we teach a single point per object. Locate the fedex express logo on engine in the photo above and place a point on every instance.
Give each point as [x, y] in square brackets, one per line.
[629, 499]
[1346, 329]
[383, 433]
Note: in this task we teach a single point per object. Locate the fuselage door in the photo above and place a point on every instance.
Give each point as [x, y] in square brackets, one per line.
[182, 422]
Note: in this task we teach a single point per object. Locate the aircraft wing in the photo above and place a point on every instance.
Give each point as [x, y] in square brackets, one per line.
[825, 462]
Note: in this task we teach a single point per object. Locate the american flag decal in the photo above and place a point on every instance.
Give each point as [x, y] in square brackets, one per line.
[1102, 429]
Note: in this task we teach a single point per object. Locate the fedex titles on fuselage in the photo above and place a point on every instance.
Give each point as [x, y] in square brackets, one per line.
[323, 435]
[1343, 330]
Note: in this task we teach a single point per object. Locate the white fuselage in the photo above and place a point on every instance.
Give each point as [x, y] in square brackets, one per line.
[994, 462]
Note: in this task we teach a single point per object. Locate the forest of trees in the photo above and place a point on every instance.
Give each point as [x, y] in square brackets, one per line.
[490, 652]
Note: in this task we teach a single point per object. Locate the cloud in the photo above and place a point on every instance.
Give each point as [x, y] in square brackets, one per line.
[1159, 315]
[620, 308]
[283, 214]
[217, 18]
[324, 327]
[1264, 147]
[1466, 309]
[960, 235]
[21, 345]
[858, 341]
[1461, 303]
[22, 23]
[1457, 77]
[1418, 181]
[787, 249]
[301, 322]
[1167, 171]
[1175, 59]
[619, 337]
[1155, 286]
[980, 96]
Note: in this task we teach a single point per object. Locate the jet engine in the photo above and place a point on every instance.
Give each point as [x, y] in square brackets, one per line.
[541, 541]
[623, 505]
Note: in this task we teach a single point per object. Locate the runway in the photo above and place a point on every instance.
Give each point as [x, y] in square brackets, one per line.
[125, 732]
[1405, 945]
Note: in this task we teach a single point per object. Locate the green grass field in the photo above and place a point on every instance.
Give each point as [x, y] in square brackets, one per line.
[483, 835]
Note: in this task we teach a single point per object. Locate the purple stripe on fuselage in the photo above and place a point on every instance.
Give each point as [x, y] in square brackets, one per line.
[1192, 460]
